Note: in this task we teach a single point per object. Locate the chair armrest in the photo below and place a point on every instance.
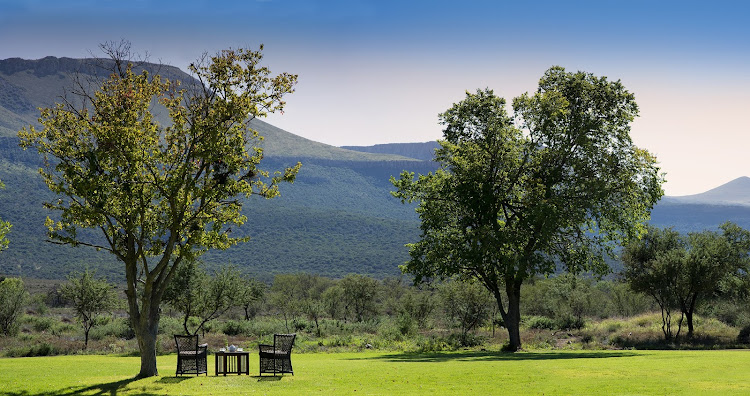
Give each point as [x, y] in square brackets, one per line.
[265, 348]
[202, 349]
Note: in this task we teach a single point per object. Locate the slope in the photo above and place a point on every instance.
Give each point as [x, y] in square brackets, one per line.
[337, 218]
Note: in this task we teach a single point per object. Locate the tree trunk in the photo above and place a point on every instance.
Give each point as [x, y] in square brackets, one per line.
[513, 318]
[146, 331]
[689, 314]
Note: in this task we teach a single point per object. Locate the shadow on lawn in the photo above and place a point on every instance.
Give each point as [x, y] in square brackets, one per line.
[109, 388]
[437, 357]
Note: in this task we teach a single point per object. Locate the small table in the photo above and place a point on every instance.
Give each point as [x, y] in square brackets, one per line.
[232, 362]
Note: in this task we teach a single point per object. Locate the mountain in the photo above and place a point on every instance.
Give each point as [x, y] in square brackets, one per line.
[422, 151]
[736, 192]
[707, 210]
[337, 218]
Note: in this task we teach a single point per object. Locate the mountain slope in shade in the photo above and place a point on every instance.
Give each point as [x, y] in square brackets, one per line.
[421, 151]
[735, 192]
[26, 85]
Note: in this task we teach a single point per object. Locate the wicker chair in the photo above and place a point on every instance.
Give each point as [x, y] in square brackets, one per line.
[277, 358]
[191, 357]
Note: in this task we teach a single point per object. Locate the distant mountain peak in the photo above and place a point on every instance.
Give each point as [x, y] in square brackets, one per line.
[735, 192]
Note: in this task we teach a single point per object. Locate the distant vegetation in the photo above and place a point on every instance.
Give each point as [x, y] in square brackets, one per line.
[358, 312]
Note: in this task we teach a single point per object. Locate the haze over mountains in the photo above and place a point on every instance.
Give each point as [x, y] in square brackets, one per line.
[337, 218]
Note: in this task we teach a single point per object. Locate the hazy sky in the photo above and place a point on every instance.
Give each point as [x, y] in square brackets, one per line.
[379, 71]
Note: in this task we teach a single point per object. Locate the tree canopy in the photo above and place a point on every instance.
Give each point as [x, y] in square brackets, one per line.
[156, 193]
[558, 183]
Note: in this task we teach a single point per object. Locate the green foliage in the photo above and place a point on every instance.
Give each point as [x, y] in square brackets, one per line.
[91, 297]
[13, 296]
[560, 182]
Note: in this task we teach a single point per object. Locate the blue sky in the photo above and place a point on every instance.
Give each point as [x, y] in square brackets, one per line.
[374, 71]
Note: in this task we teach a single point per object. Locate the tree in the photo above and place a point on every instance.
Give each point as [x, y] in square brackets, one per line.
[679, 271]
[250, 295]
[91, 297]
[713, 259]
[13, 296]
[158, 194]
[652, 266]
[559, 183]
[333, 302]
[195, 293]
[466, 304]
[4, 229]
[360, 293]
[285, 296]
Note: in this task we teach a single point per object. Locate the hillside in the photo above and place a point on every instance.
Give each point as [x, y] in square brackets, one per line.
[337, 218]
[422, 151]
[735, 192]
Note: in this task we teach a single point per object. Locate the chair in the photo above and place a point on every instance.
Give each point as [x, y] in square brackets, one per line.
[191, 357]
[277, 358]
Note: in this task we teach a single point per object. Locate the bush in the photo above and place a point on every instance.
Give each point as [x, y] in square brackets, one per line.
[40, 349]
[236, 327]
[569, 322]
[540, 322]
[13, 296]
[39, 323]
[744, 336]
[114, 327]
[464, 340]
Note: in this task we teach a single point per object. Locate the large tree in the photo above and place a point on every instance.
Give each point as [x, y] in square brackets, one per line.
[559, 183]
[158, 194]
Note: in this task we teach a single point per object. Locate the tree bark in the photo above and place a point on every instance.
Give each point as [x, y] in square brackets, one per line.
[513, 317]
[689, 314]
[146, 330]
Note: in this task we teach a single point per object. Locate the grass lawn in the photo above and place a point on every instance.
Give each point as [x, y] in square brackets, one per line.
[542, 372]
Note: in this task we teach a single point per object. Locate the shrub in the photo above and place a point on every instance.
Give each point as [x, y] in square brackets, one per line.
[540, 322]
[569, 322]
[39, 323]
[236, 327]
[744, 336]
[13, 296]
[114, 327]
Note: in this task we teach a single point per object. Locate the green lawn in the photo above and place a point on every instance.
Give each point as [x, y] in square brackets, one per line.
[544, 372]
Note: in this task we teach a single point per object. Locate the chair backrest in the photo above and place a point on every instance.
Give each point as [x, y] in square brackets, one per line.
[283, 342]
[186, 342]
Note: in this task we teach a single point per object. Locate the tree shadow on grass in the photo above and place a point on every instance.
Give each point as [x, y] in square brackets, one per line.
[173, 380]
[108, 388]
[436, 357]
[263, 378]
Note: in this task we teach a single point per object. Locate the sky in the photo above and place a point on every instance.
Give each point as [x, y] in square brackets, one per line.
[380, 71]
